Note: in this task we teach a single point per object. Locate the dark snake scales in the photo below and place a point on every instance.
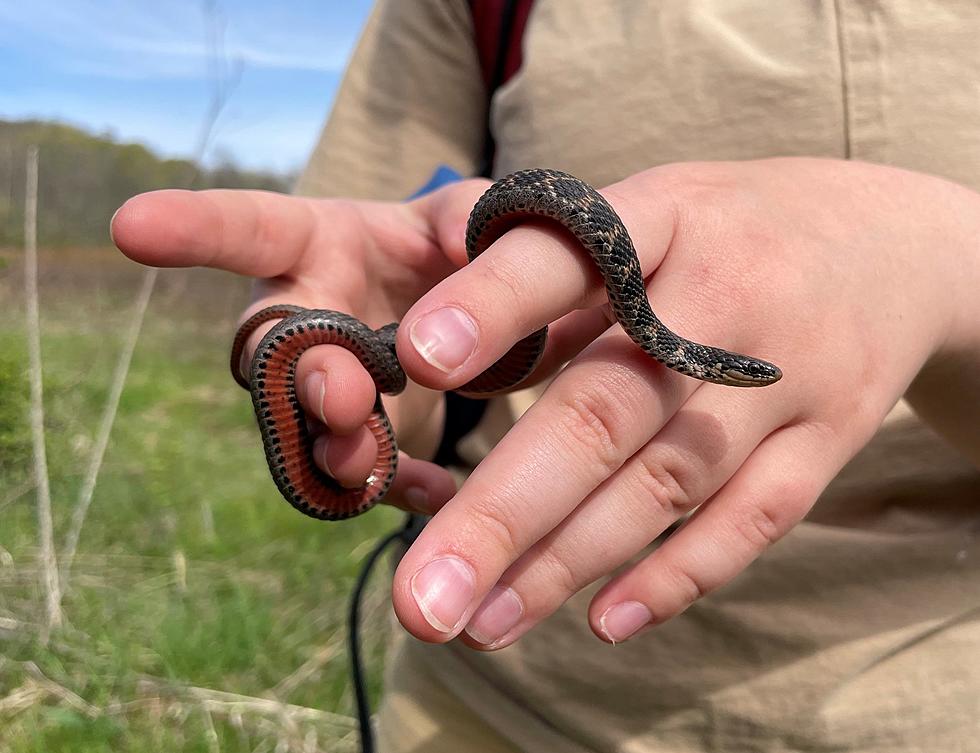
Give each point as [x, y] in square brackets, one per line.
[528, 193]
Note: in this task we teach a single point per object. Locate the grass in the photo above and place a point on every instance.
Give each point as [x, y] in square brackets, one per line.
[204, 614]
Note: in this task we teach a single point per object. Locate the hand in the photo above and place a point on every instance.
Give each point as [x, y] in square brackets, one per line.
[370, 259]
[851, 277]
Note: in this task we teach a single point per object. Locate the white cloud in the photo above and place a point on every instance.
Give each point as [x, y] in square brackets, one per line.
[132, 40]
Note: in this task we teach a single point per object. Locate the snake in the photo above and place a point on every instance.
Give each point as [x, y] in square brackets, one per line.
[524, 195]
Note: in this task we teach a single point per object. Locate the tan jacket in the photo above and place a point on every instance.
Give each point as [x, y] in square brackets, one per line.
[860, 631]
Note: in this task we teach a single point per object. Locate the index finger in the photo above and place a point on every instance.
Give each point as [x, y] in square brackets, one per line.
[256, 233]
[529, 277]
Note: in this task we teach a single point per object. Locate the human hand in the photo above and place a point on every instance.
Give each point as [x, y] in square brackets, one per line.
[851, 277]
[369, 259]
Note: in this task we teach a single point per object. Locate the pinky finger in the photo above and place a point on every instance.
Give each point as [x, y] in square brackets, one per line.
[772, 491]
[420, 486]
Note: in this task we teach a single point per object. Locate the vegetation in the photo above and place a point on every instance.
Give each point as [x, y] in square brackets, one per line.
[203, 613]
[86, 177]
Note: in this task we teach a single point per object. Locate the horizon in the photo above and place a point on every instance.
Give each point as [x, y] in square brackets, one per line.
[146, 74]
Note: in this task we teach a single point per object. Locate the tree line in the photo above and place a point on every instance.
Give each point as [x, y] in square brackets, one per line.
[85, 177]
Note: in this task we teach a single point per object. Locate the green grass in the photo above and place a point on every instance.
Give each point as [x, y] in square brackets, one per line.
[193, 578]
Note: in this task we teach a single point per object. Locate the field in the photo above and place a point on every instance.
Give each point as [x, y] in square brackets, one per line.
[202, 613]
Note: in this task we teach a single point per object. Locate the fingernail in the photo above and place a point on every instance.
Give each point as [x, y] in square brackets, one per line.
[245, 367]
[443, 589]
[316, 390]
[112, 220]
[445, 338]
[417, 498]
[320, 449]
[621, 621]
[496, 616]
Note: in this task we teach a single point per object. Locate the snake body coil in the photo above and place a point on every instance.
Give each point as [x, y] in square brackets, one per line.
[528, 193]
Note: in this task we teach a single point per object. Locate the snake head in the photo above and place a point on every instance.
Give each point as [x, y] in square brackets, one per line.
[743, 371]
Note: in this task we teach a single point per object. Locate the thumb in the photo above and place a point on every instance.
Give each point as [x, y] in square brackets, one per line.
[446, 213]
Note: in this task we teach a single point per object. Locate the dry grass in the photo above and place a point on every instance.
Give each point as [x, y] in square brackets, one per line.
[204, 614]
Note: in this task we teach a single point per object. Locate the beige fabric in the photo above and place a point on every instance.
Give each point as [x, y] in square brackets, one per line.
[859, 632]
[412, 98]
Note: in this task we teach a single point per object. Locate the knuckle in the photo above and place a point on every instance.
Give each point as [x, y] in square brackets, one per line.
[491, 518]
[272, 226]
[561, 574]
[267, 228]
[700, 185]
[759, 525]
[506, 278]
[664, 487]
[591, 419]
[688, 586]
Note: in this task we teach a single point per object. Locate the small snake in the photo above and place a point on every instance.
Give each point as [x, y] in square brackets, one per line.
[528, 193]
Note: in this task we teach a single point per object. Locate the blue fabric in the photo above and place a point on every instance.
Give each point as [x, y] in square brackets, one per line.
[442, 176]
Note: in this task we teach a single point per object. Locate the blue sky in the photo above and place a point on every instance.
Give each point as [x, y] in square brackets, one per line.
[140, 70]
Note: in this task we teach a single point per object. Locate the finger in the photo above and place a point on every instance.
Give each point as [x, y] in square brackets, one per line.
[255, 233]
[530, 277]
[420, 486]
[771, 492]
[595, 415]
[692, 457]
[333, 386]
[331, 383]
[347, 458]
[445, 213]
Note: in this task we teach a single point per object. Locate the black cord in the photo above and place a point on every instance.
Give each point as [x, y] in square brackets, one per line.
[407, 533]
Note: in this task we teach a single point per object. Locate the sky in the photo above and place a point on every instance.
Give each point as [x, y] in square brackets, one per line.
[146, 71]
